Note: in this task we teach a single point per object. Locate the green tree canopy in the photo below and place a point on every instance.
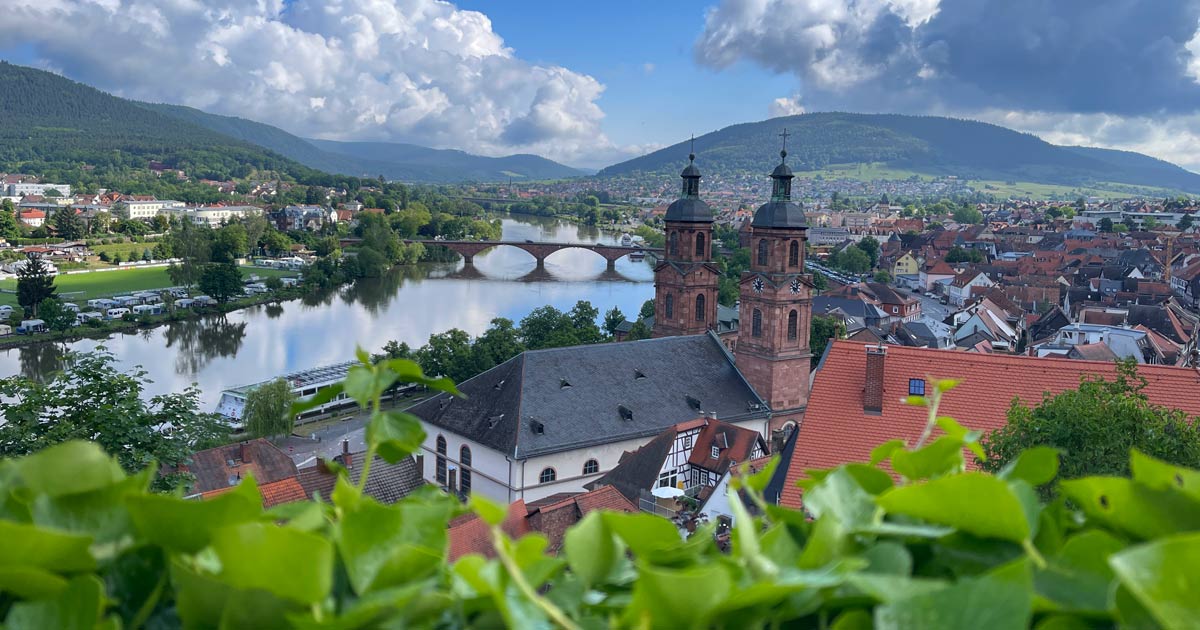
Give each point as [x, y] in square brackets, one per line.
[501, 342]
[34, 283]
[221, 281]
[90, 399]
[268, 410]
[612, 319]
[967, 214]
[821, 330]
[67, 224]
[1095, 426]
[56, 316]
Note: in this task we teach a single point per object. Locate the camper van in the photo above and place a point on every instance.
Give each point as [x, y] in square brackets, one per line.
[128, 300]
[204, 300]
[31, 326]
[184, 303]
[117, 313]
[71, 306]
[148, 309]
[6, 311]
[87, 316]
[102, 303]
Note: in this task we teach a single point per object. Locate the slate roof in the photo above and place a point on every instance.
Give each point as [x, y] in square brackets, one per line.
[836, 430]
[779, 214]
[638, 470]
[386, 483]
[689, 209]
[215, 467]
[547, 401]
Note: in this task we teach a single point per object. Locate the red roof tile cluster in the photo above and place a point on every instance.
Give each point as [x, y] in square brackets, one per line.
[836, 430]
[471, 534]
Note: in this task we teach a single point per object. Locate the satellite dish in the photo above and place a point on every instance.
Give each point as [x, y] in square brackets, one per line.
[667, 492]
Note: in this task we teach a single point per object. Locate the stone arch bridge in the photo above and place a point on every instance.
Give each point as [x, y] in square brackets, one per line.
[540, 251]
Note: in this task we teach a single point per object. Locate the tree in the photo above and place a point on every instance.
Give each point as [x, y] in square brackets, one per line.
[192, 245]
[967, 214]
[959, 254]
[647, 309]
[448, 354]
[612, 319]
[583, 322]
[547, 327]
[639, 330]
[273, 283]
[1095, 426]
[852, 259]
[327, 246]
[871, 247]
[67, 224]
[147, 255]
[1185, 222]
[1106, 225]
[883, 276]
[820, 282]
[221, 281]
[90, 399]
[268, 410]
[34, 283]
[228, 243]
[821, 330]
[9, 226]
[56, 316]
[499, 343]
[116, 258]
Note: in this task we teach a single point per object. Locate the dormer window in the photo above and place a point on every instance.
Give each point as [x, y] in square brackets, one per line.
[916, 387]
[716, 452]
[563, 383]
[625, 412]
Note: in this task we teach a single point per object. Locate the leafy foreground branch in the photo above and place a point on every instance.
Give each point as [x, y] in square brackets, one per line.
[83, 544]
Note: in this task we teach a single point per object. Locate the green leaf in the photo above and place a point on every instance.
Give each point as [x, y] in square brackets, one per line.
[69, 468]
[856, 619]
[384, 546]
[292, 564]
[887, 589]
[965, 436]
[366, 383]
[77, 607]
[678, 598]
[1133, 508]
[943, 455]
[491, 512]
[592, 551]
[187, 526]
[1164, 577]
[998, 600]
[1078, 578]
[946, 384]
[99, 513]
[758, 481]
[394, 435]
[23, 545]
[324, 395]
[1036, 466]
[884, 451]
[840, 496]
[972, 502]
[1160, 475]
[825, 544]
[30, 582]
[407, 371]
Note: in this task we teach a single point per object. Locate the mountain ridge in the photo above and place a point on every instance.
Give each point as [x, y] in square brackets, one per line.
[929, 145]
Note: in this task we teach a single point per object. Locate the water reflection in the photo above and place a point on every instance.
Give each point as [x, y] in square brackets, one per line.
[198, 341]
[408, 304]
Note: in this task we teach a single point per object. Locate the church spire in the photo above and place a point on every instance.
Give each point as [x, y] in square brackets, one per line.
[691, 175]
[781, 186]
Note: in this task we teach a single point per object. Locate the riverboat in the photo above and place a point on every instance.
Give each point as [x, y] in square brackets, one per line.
[305, 384]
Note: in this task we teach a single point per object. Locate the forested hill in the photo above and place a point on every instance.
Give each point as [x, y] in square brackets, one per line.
[923, 144]
[51, 125]
[405, 162]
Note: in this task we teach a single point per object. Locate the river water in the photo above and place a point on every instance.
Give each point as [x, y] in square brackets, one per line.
[409, 304]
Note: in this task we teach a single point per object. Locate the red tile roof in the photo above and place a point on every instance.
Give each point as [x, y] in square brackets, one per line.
[274, 493]
[471, 534]
[835, 429]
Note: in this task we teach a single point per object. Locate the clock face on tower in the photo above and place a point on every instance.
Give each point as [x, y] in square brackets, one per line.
[758, 285]
[795, 285]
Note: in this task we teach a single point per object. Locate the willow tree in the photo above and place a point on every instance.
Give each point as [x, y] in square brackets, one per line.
[268, 409]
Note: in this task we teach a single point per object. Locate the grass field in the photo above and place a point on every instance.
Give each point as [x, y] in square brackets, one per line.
[105, 283]
[124, 249]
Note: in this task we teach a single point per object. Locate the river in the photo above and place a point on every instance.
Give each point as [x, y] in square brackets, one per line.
[408, 304]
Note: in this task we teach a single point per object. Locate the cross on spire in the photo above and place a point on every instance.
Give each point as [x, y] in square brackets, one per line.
[692, 149]
[784, 135]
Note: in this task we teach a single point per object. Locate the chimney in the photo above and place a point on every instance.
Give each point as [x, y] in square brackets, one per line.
[246, 456]
[346, 459]
[873, 385]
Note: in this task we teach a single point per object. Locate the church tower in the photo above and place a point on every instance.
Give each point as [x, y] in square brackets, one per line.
[685, 281]
[776, 303]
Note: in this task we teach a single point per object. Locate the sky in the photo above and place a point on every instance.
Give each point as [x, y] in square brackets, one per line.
[590, 84]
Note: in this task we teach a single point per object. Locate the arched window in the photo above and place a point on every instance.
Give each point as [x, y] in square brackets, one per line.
[547, 475]
[464, 478]
[670, 307]
[793, 317]
[674, 243]
[756, 324]
[700, 307]
[794, 254]
[441, 459]
[762, 252]
[700, 245]
[591, 467]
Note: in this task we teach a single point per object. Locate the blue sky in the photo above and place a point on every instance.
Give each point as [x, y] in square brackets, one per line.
[593, 83]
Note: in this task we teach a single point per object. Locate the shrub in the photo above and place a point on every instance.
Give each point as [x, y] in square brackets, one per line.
[942, 548]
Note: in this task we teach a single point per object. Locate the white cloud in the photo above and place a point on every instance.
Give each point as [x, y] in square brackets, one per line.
[648, 68]
[418, 71]
[785, 106]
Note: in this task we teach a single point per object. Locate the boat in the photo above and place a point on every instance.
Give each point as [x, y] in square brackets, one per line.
[305, 384]
[626, 240]
[637, 256]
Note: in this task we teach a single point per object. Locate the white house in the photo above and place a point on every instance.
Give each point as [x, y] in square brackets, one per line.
[147, 209]
[551, 421]
[959, 289]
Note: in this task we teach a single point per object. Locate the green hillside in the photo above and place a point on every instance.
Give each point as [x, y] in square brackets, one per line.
[405, 162]
[50, 125]
[927, 145]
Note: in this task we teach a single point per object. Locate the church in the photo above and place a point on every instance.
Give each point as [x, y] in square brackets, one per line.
[551, 421]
